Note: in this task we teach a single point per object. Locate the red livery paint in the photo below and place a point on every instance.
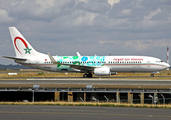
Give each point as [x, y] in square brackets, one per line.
[22, 41]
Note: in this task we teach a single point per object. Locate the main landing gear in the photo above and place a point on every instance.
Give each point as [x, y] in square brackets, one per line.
[152, 75]
[87, 75]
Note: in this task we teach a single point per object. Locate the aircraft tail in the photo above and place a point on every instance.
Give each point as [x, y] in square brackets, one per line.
[21, 45]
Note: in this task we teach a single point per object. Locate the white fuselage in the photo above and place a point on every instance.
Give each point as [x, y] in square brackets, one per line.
[115, 63]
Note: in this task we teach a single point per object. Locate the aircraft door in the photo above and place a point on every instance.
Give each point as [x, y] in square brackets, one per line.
[148, 63]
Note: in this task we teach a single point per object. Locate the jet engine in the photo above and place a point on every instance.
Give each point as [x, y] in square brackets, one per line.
[103, 72]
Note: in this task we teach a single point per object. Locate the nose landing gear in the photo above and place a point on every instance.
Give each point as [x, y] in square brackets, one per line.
[152, 75]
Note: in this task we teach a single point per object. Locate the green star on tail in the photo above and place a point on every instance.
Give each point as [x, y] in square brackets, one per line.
[27, 50]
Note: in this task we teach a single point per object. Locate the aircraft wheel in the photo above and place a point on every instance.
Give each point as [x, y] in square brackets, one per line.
[152, 75]
[90, 75]
[85, 75]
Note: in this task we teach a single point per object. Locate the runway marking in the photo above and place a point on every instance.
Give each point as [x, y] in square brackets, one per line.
[74, 110]
[134, 115]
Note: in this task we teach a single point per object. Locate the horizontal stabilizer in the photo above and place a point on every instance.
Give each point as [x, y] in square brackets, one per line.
[14, 58]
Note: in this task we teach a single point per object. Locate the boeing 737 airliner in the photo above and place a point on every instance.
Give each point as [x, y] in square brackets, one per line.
[97, 65]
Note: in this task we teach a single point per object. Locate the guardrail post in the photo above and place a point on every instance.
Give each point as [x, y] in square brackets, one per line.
[70, 96]
[57, 96]
[130, 98]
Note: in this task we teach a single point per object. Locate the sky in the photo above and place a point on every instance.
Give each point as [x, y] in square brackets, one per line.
[101, 27]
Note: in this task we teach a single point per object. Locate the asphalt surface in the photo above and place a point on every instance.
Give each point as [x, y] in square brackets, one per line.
[28, 112]
[83, 83]
[88, 81]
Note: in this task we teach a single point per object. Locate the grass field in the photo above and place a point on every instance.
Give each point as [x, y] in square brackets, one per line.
[167, 106]
[33, 74]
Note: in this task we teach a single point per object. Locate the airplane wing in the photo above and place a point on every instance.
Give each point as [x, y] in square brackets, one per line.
[80, 67]
[14, 58]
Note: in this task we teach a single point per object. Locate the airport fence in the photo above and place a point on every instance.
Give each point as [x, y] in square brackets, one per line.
[134, 101]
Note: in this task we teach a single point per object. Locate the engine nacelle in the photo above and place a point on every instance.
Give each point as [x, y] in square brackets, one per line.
[102, 71]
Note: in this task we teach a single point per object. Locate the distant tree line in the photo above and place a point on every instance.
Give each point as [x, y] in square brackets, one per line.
[12, 67]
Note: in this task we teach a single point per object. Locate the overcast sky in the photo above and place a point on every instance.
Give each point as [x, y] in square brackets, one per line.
[102, 27]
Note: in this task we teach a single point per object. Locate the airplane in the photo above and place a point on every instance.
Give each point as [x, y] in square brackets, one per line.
[89, 65]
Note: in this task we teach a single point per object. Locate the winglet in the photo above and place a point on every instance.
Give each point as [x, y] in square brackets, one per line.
[78, 54]
[51, 58]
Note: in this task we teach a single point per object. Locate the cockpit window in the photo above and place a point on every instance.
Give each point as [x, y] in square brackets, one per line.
[159, 61]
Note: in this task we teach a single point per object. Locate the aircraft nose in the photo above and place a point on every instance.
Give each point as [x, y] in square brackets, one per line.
[167, 65]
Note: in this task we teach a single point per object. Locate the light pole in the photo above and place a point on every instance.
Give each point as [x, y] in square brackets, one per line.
[106, 98]
[151, 97]
[81, 99]
[163, 99]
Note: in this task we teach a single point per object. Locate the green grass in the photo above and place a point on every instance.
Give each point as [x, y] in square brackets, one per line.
[166, 106]
[45, 74]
